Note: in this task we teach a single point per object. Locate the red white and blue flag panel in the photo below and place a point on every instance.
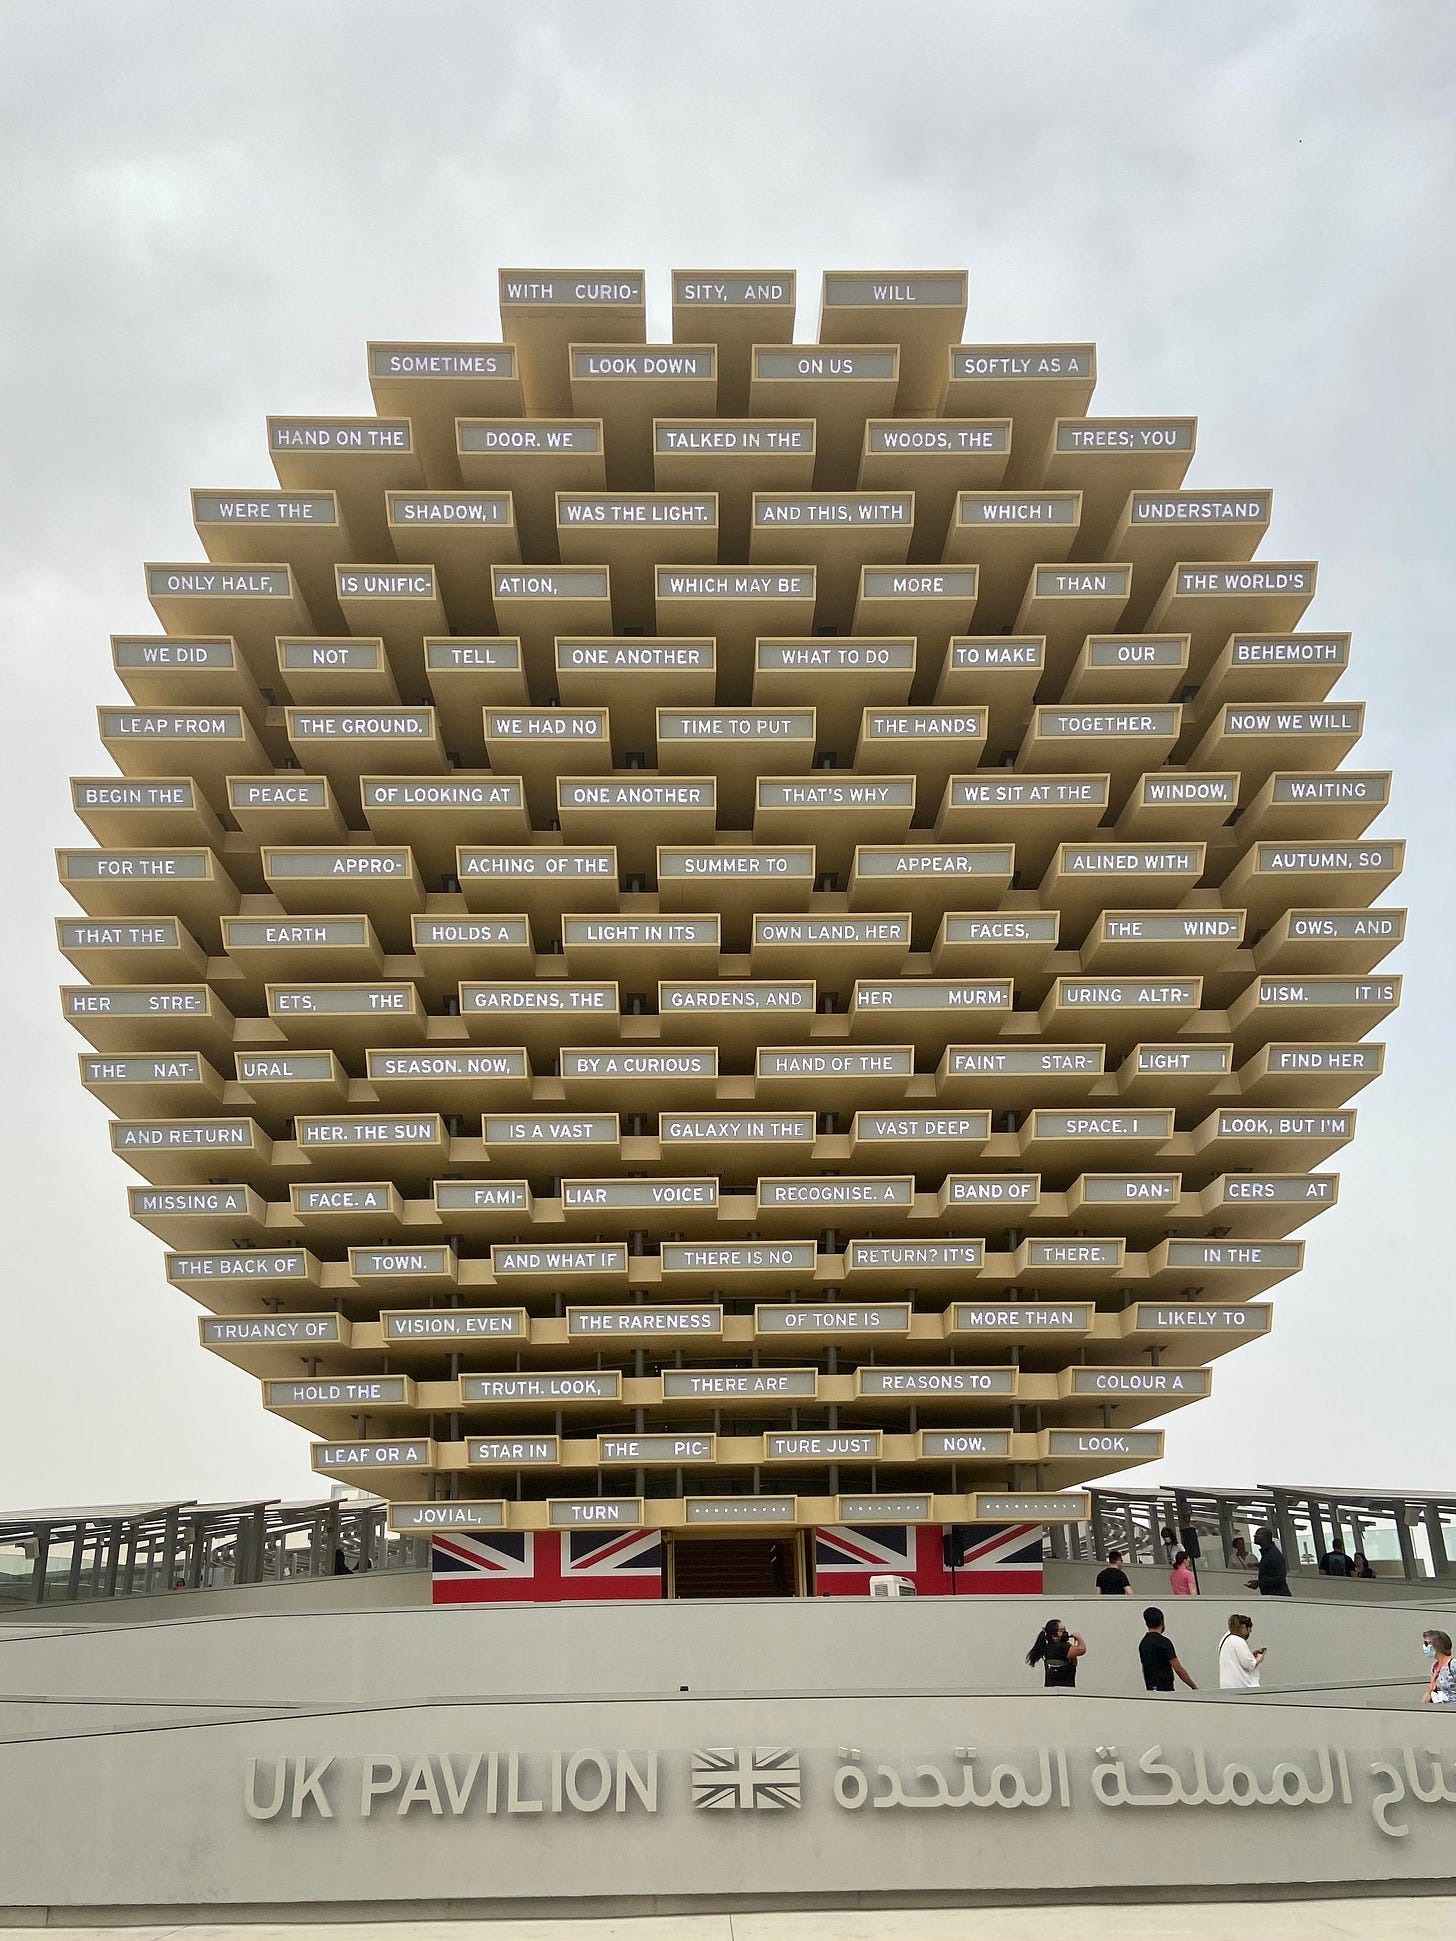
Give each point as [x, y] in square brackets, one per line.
[545, 1566]
[1001, 1559]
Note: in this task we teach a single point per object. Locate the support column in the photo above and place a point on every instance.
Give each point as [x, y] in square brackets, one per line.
[1226, 1529]
[316, 1544]
[1337, 1521]
[78, 1558]
[1099, 1530]
[1182, 1515]
[1317, 1528]
[249, 1566]
[1285, 1530]
[38, 1574]
[333, 1534]
[1357, 1532]
[1408, 1561]
[1441, 1562]
[169, 1548]
[113, 1561]
[196, 1551]
[128, 1569]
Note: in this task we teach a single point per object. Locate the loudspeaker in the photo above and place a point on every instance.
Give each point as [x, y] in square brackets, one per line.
[1188, 1537]
[956, 1541]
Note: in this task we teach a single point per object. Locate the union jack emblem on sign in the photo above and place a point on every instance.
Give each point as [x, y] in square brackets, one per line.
[736, 1777]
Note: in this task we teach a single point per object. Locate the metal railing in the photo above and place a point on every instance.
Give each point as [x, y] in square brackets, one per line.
[68, 1556]
[1403, 1536]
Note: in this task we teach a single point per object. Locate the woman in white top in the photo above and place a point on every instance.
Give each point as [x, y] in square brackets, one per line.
[1238, 1664]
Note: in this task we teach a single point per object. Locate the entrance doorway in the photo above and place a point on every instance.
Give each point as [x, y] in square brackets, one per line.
[738, 1566]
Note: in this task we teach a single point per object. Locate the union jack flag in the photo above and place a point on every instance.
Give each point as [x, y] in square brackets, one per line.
[545, 1566]
[746, 1777]
[1001, 1559]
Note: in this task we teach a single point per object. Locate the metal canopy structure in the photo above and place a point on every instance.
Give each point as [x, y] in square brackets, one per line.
[68, 1555]
[1306, 1519]
[71, 1555]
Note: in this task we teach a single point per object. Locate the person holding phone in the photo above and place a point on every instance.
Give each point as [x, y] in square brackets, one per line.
[1238, 1660]
[1057, 1650]
[1273, 1577]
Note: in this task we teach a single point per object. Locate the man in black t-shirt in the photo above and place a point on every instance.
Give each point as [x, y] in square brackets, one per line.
[1159, 1656]
[1113, 1581]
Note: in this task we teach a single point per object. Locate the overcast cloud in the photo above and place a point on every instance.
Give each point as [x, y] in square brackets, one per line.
[205, 213]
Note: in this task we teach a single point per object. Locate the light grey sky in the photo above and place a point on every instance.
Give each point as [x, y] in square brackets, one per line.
[205, 213]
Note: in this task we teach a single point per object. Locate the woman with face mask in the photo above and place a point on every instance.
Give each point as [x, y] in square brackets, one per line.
[1442, 1688]
[1057, 1649]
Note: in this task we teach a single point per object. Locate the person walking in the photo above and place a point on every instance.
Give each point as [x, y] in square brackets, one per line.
[1360, 1565]
[1238, 1661]
[1239, 1558]
[1057, 1650]
[1273, 1577]
[1159, 1655]
[1181, 1576]
[1113, 1580]
[1442, 1688]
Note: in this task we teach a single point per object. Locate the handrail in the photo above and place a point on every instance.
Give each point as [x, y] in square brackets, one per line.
[116, 1551]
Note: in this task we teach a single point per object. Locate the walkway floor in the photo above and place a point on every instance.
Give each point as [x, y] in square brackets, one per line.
[1406, 1918]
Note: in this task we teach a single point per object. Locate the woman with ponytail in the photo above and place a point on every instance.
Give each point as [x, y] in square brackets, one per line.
[1057, 1650]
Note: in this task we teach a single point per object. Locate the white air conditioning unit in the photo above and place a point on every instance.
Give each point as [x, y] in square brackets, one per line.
[891, 1587]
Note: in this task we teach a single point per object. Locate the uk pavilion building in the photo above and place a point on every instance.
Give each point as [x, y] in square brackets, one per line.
[730, 954]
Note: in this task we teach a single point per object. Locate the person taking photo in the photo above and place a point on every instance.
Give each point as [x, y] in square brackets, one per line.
[1057, 1650]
